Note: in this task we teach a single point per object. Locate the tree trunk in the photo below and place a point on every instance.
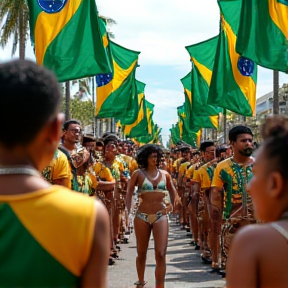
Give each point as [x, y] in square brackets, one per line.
[22, 35]
[67, 94]
[275, 92]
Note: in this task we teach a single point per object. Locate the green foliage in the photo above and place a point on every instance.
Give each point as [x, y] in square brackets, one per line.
[81, 110]
[14, 18]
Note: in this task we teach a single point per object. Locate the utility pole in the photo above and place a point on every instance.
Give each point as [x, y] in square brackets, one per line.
[275, 92]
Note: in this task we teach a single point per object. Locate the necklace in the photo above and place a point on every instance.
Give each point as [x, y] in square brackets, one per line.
[154, 178]
[15, 170]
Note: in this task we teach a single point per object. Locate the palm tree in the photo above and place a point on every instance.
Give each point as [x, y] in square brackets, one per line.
[15, 18]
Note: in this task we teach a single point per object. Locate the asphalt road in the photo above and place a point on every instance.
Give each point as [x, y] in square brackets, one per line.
[184, 266]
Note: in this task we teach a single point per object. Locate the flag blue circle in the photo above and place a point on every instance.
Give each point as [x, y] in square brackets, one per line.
[52, 6]
[245, 66]
[103, 79]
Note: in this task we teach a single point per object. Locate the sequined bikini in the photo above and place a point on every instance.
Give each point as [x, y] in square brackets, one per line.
[147, 187]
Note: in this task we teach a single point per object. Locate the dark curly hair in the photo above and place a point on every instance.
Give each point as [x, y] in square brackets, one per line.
[275, 134]
[145, 151]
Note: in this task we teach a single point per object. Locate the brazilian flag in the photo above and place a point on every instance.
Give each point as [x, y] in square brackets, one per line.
[117, 91]
[175, 134]
[202, 56]
[263, 33]
[141, 123]
[67, 38]
[234, 77]
[193, 121]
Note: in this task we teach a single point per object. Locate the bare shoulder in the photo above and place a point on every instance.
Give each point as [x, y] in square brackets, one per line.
[253, 236]
[101, 214]
[164, 172]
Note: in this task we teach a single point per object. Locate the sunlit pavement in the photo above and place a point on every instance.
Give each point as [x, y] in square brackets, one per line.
[184, 266]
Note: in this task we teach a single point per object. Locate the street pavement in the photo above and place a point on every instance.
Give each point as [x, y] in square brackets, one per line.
[184, 266]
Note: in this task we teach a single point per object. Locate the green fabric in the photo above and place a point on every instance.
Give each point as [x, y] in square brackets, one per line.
[190, 137]
[133, 107]
[194, 121]
[69, 56]
[204, 53]
[175, 134]
[24, 262]
[225, 89]
[259, 38]
[123, 102]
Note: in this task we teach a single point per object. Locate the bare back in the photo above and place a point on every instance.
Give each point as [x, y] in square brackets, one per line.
[259, 257]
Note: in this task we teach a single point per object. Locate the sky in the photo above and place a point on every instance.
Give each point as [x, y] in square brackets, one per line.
[160, 30]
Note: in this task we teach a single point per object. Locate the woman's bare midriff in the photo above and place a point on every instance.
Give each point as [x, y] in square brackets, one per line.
[151, 202]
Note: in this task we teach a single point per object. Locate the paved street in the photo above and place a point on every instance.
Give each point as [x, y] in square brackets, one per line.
[184, 267]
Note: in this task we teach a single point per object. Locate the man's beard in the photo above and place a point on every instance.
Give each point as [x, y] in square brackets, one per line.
[246, 152]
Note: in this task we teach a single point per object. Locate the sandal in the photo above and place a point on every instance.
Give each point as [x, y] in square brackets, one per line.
[140, 284]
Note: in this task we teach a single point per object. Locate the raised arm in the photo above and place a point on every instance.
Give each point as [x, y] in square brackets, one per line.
[130, 189]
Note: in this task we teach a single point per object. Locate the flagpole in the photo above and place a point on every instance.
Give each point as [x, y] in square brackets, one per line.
[275, 92]
[93, 100]
[67, 98]
[225, 125]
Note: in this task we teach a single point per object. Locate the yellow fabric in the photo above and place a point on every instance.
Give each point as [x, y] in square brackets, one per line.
[105, 40]
[214, 120]
[190, 171]
[205, 72]
[202, 177]
[182, 171]
[140, 117]
[176, 164]
[189, 95]
[279, 15]
[217, 181]
[103, 172]
[246, 84]
[131, 163]
[61, 221]
[49, 25]
[61, 167]
[119, 77]
[196, 176]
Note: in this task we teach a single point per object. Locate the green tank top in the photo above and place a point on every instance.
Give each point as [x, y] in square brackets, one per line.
[41, 238]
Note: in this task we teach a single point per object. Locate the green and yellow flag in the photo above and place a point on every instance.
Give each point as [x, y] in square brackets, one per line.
[193, 121]
[67, 38]
[202, 56]
[188, 136]
[175, 134]
[233, 84]
[116, 91]
[141, 124]
[263, 33]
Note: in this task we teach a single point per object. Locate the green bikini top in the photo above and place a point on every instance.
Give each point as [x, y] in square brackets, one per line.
[147, 185]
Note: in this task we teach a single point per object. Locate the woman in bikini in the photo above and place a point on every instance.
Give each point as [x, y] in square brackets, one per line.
[259, 252]
[156, 199]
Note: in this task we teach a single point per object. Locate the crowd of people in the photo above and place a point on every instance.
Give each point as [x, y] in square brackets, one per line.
[52, 236]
